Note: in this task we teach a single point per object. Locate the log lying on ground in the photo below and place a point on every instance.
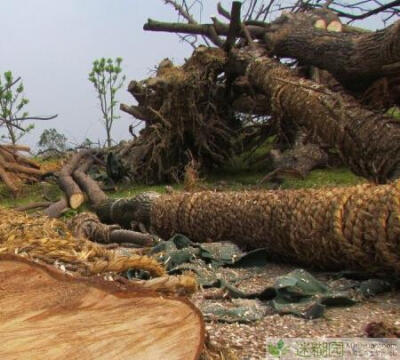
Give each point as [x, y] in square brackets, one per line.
[366, 141]
[38, 318]
[72, 179]
[56, 209]
[88, 226]
[74, 194]
[16, 169]
[87, 184]
[36, 205]
[338, 228]
[298, 161]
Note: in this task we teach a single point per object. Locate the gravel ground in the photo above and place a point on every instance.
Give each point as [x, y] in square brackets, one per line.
[248, 340]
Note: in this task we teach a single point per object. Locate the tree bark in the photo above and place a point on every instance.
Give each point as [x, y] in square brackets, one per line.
[35, 205]
[56, 209]
[88, 185]
[87, 225]
[366, 141]
[67, 183]
[139, 323]
[355, 59]
[8, 180]
[352, 228]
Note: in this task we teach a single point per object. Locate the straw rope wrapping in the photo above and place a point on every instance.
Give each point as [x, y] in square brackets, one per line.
[50, 241]
[336, 228]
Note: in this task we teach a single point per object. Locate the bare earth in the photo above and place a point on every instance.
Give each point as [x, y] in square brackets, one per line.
[248, 340]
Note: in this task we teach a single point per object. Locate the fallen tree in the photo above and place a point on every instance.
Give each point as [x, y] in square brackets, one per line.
[183, 119]
[366, 141]
[16, 169]
[339, 228]
[230, 100]
[314, 38]
[140, 323]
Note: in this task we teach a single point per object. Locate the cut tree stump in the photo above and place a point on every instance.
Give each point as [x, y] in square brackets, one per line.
[74, 194]
[48, 314]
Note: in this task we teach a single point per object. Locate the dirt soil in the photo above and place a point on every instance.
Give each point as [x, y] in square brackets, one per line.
[248, 340]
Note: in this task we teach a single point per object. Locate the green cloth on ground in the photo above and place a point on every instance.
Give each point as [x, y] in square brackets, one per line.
[297, 293]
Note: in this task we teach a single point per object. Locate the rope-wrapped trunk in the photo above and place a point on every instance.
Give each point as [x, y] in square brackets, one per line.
[339, 228]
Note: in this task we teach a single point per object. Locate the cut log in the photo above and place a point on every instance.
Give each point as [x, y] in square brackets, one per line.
[73, 192]
[15, 167]
[56, 209]
[87, 225]
[349, 228]
[7, 180]
[16, 147]
[87, 184]
[47, 314]
[35, 205]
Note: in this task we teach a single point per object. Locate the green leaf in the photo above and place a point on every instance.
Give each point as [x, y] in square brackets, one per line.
[273, 350]
[280, 344]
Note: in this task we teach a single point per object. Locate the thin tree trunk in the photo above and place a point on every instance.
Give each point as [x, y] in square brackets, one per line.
[67, 183]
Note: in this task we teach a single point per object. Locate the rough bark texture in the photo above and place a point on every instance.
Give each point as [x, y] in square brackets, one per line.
[67, 183]
[88, 226]
[356, 59]
[299, 160]
[366, 141]
[87, 184]
[127, 212]
[16, 169]
[338, 228]
[140, 324]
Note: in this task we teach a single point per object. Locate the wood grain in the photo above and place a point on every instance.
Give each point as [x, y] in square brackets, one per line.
[45, 314]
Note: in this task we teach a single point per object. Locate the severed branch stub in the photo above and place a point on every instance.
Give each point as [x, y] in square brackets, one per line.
[75, 196]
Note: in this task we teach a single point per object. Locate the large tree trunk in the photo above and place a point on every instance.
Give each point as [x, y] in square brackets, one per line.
[48, 314]
[366, 141]
[338, 228]
[355, 59]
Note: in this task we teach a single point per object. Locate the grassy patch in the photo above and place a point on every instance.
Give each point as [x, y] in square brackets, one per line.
[229, 180]
[324, 178]
[27, 194]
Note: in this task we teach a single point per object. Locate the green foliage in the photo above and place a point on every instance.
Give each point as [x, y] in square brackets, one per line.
[324, 178]
[52, 139]
[12, 103]
[277, 350]
[107, 80]
[394, 111]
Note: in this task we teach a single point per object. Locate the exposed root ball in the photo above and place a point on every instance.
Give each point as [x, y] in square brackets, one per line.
[184, 121]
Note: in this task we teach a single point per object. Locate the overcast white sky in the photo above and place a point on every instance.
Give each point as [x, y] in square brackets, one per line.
[51, 44]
